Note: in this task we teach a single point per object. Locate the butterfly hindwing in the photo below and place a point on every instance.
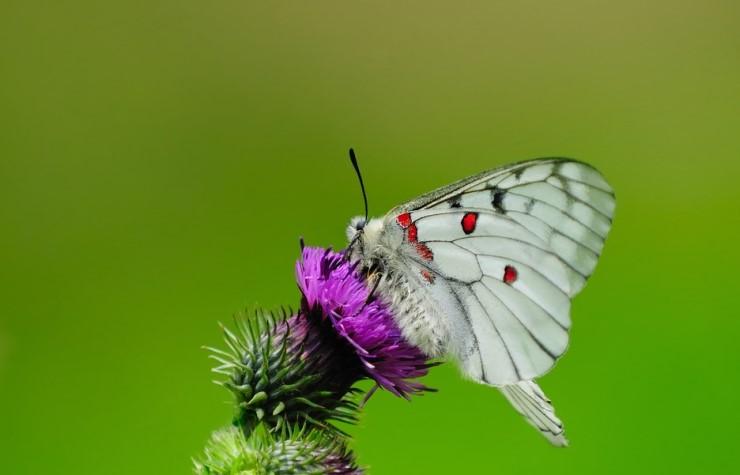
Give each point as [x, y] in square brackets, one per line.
[531, 402]
[509, 291]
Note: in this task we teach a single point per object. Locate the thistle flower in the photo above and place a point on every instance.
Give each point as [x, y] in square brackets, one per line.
[334, 291]
[292, 451]
[299, 370]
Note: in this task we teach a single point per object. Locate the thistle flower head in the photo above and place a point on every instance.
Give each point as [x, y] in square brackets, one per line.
[335, 291]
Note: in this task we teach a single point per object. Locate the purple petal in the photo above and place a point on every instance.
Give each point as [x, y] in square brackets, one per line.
[332, 285]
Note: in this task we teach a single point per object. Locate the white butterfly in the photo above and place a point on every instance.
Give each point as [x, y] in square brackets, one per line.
[484, 270]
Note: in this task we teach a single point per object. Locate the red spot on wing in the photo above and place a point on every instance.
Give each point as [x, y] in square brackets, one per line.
[468, 222]
[428, 276]
[413, 233]
[510, 275]
[424, 251]
[404, 220]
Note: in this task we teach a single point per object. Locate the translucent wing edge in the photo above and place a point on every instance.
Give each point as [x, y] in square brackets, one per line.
[529, 400]
[446, 192]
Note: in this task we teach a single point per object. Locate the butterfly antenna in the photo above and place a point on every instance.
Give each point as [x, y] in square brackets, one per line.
[353, 159]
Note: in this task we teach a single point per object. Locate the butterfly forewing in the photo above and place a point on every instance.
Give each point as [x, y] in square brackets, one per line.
[565, 203]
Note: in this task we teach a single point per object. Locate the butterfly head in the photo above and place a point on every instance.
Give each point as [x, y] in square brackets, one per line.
[362, 235]
[356, 225]
[355, 230]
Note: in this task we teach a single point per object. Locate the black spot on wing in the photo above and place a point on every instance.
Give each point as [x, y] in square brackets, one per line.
[530, 205]
[497, 199]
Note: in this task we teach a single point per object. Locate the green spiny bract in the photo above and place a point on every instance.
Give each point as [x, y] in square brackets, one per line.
[285, 369]
[292, 452]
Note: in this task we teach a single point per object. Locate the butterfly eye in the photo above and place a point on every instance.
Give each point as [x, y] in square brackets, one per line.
[357, 224]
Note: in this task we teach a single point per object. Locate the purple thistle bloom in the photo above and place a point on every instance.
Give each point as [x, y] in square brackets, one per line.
[334, 289]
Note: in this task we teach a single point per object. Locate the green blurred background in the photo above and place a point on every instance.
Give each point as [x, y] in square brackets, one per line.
[159, 160]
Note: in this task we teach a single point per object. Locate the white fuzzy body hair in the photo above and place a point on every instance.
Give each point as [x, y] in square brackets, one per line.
[377, 248]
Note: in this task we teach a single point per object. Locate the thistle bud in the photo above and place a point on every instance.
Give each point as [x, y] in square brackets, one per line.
[291, 452]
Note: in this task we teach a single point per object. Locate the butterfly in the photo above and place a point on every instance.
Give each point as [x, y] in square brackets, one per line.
[484, 270]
